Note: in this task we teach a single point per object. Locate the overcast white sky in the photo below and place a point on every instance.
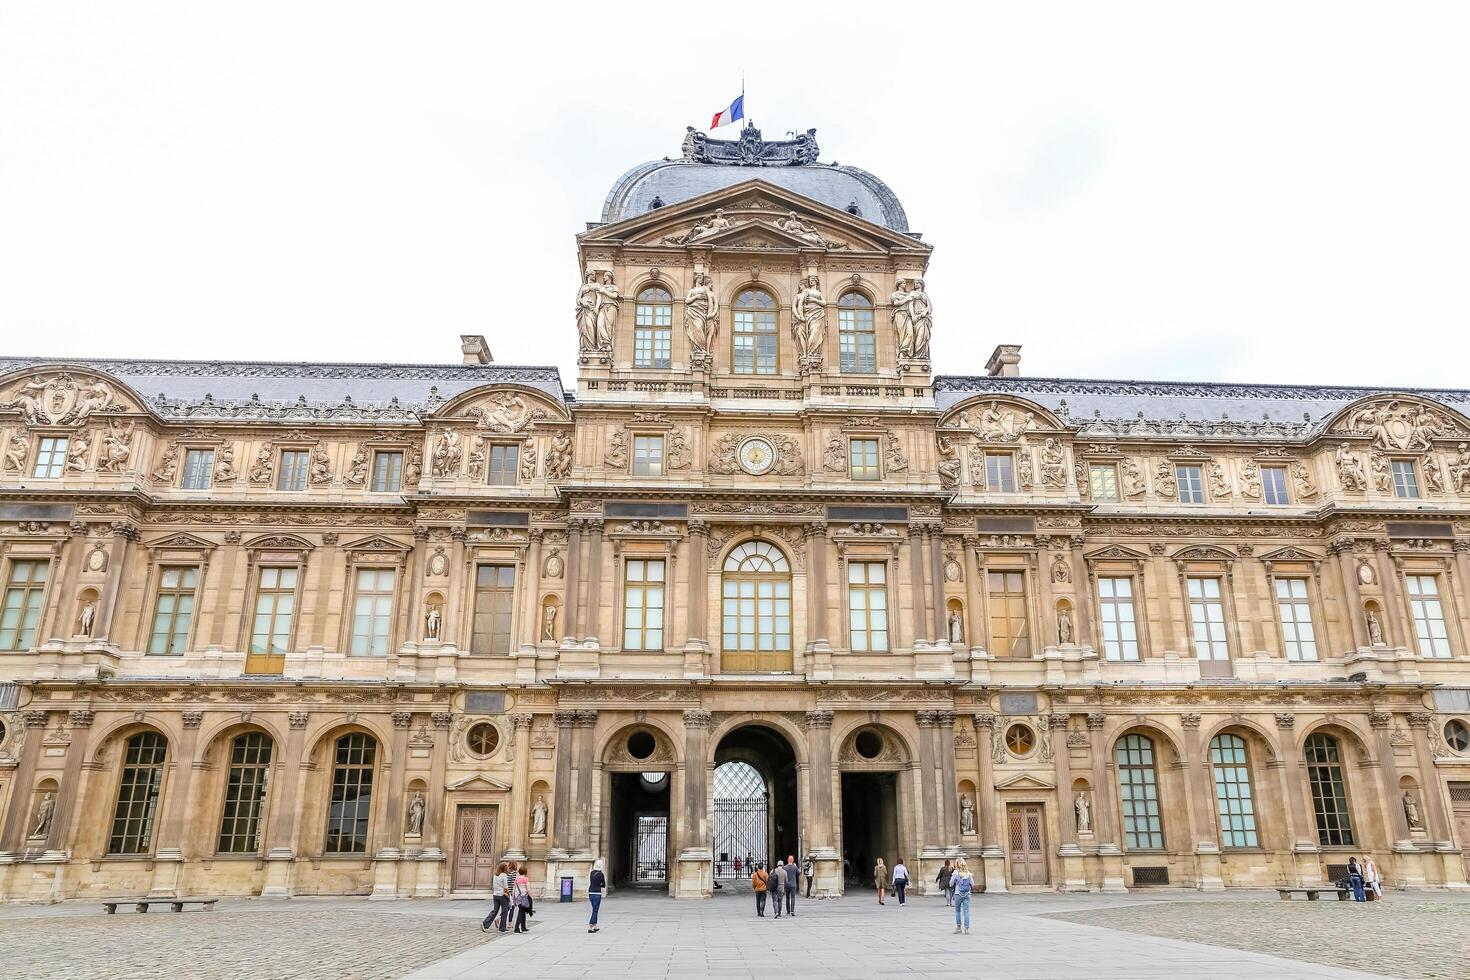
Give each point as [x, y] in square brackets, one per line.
[1233, 191]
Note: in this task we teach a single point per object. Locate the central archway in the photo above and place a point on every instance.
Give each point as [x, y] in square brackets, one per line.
[755, 789]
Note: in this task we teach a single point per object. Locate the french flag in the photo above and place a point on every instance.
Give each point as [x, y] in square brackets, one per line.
[726, 116]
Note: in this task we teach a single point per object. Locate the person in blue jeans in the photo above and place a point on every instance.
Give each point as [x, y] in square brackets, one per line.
[596, 885]
[1355, 880]
[963, 883]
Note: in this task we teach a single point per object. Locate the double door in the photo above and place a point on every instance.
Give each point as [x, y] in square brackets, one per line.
[1027, 843]
[474, 848]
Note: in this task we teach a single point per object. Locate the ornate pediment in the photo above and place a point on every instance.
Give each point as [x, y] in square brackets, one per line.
[1115, 552]
[377, 543]
[507, 409]
[1399, 424]
[279, 542]
[1203, 552]
[1290, 554]
[182, 540]
[1026, 780]
[64, 398]
[755, 223]
[479, 781]
[999, 420]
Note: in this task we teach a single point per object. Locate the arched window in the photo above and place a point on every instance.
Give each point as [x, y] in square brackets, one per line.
[352, 794]
[756, 606]
[137, 794]
[1138, 791]
[1329, 791]
[857, 341]
[1233, 798]
[754, 336]
[653, 325]
[240, 823]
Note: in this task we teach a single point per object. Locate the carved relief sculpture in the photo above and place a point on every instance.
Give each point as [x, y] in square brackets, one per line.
[996, 425]
[117, 446]
[701, 316]
[616, 456]
[1382, 473]
[559, 456]
[320, 470]
[96, 398]
[1164, 483]
[448, 453]
[17, 450]
[1350, 471]
[224, 464]
[1061, 571]
[553, 566]
[1053, 464]
[265, 461]
[679, 455]
[1460, 469]
[357, 469]
[893, 452]
[413, 467]
[949, 463]
[1250, 480]
[793, 225]
[1219, 483]
[1396, 426]
[78, 452]
[1306, 485]
[1025, 468]
[809, 320]
[528, 460]
[168, 467]
[1132, 474]
[1433, 474]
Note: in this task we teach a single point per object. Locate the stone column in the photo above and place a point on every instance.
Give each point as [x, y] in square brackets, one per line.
[935, 574]
[530, 625]
[416, 567]
[949, 833]
[572, 610]
[1081, 579]
[429, 875]
[286, 775]
[1393, 597]
[992, 855]
[1395, 821]
[460, 579]
[696, 578]
[71, 779]
[1074, 872]
[386, 845]
[1305, 851]
[594, 580]
[561, 807]
[916, 576]
[1104, 810]
[123, 534]
[822, 820]
[520, 787]
[927, 772]
[586, 724]
[696, 868]
[1199, 789]
[18, 812]
[168, 843]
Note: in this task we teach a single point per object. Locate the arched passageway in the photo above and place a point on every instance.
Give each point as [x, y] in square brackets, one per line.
[755, 799]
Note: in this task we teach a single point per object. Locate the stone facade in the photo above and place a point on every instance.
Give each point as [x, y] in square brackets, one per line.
[388, 624]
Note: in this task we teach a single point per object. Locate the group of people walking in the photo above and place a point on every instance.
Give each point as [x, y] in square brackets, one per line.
[1364, 880]
[511, 888]
[782, 883]
[899, 880]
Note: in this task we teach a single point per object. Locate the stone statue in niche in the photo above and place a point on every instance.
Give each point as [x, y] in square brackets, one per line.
[432, 623]
[553, 566]
[808, 318]
[967, 814]
[44, 812]
[416, 809]
[1064, 625]
[1375, 629]
[548, 621]
[117, 446]
[538, 817]
[1350, 471]
[607, 311]
[956, 627]
[88, 617]
[587, 295]
[1411, 811]
[701, 316]
[1084, 814]
[1306, 484]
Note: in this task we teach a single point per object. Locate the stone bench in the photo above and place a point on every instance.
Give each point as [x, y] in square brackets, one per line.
[1313, 893]
[141, 904]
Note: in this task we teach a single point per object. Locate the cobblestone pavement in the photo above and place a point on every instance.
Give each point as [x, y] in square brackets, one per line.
[297, 939]
[1404, 935]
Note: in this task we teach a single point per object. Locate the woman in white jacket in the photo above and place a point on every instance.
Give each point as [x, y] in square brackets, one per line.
[1372, 880]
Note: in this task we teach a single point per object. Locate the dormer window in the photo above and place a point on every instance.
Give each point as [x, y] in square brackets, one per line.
[653, 328]
[857, 340]
[754, 336]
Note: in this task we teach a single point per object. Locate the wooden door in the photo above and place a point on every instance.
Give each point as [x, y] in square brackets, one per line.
[1460, 800]
[474, 848]
[1027, 844]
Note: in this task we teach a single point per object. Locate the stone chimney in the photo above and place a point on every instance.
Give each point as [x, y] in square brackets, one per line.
[476, 351]
[1005, 362]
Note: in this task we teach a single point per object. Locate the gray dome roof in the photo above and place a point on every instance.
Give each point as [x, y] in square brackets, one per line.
[711, 165]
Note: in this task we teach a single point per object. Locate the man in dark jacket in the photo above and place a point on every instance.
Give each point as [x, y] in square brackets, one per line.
[793, 883]
[775, 885]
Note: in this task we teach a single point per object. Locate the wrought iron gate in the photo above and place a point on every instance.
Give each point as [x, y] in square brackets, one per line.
[651, 850]
[742, 819]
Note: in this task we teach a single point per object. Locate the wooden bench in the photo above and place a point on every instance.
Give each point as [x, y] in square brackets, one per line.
[141, 904]
[1312, 893]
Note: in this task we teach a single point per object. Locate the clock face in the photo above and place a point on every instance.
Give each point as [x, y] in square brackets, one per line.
[756, 456]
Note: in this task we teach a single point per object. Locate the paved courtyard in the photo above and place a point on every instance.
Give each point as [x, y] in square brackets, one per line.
[1140, 937]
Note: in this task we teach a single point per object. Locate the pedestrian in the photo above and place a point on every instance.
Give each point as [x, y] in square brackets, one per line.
[880, 878]
[793, 884]
[900, 879]
[596, 885]
[1372, 880]
[497, 892]
[520, 897]
[943, 879]
[775, 885]
[530, 899]
[758, 882]
[810, 870]
[1355, 880]
[962, 884]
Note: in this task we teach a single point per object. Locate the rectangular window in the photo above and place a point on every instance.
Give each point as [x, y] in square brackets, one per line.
[1297, 634]
[1191, 484]
[1405, 480]
[275, 607]
[858, 344]
[177, 586]
[240, 821]
[863, 459]
[505, 466]
[292, 473]
[755, 338]
[51, 457]
[1207, 615]
[1102, 480]
[372, 612]
[1429, 625]
[653, 332]
[1000, 473]
[1273, 485]
[198, 469]
[643, 605]
[352, 795]
[1009, 632]
[495, 588]
[1233, 799]
[1119, 625]
[648, 455]
[387, 472]
[21, 613]
[867, 603]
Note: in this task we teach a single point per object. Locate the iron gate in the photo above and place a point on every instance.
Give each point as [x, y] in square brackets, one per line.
[651, 850]
[742, 819]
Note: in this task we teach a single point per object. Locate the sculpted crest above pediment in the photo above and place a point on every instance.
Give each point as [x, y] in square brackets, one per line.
[1399, 424]
[1000, 420]
[65, 397]
[754, 223]
[503, 409]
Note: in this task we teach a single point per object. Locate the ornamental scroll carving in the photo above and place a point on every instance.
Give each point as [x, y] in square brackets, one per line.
[1398, 426]
[61, 400]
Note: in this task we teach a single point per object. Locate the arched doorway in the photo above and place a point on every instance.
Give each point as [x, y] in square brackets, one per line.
[872, 760]
[755, 799]
[639, 764]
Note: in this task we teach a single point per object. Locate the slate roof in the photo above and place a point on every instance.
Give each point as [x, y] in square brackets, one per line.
[410, 386]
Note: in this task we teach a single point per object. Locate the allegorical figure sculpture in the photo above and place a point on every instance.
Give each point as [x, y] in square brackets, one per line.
[548, 622]
[1375, 629]
[1411, 811]
[87, 618]
[967, 814]
[1064, 626]
[1084, 814]
[956, 627]
[431, 623]
[701, 315]
[808, 318]
[921, 314]
[607, 311]
[44, 813]
[587, 295]
[538, 817]
[416, 808]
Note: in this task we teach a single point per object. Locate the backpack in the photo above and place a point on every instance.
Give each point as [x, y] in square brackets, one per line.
[964, 884]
